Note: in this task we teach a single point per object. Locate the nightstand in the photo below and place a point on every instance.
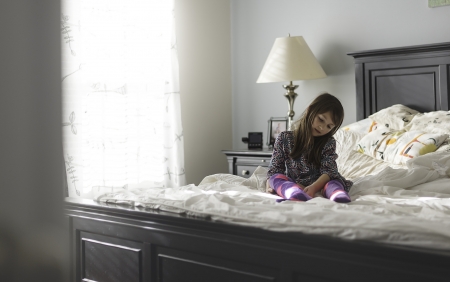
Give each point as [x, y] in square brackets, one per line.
[244, 162]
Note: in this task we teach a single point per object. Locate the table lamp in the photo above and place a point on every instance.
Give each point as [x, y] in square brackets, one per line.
[290, 59]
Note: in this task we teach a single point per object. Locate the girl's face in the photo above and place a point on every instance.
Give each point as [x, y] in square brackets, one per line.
[322, 124]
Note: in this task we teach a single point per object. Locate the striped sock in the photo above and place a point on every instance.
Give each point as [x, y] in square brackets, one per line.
[334, 190]
[287, 188]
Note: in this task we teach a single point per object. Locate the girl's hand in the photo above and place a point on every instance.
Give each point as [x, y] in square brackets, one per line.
[269, 189]
[310, 191]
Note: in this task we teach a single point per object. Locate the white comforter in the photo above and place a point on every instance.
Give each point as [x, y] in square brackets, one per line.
[409, 206]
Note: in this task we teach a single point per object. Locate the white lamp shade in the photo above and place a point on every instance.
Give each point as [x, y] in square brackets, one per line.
[290, 59]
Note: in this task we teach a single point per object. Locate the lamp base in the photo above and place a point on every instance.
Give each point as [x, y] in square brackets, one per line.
[290, 96]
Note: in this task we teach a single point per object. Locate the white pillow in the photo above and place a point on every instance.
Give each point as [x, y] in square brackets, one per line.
[395, 117]
[445, 146]
[346, 140]
[434, 122]
[396, 147]
[363, 126]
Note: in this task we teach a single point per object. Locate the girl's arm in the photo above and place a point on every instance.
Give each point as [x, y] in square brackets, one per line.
[279, 155]
[278, 161]
[328, 163]
[328, 168]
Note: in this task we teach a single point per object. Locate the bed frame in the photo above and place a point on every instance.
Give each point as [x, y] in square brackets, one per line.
[119, 243]
[416, 76]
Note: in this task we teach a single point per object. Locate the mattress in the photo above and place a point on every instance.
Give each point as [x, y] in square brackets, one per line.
[403, 204]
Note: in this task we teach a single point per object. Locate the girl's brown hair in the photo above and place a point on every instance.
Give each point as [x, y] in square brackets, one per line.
[304, 142]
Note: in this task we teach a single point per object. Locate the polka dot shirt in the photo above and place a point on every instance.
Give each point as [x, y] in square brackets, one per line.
[300, 170]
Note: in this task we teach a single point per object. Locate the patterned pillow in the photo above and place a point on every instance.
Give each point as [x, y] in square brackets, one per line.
[445, 146]
[433, 122]
[396, 147]
[363, 126]
[395, 117]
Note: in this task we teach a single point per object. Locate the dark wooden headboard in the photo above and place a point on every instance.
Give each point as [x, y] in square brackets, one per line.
[415, 76]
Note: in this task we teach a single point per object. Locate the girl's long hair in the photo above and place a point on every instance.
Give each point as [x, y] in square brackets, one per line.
[304, 142]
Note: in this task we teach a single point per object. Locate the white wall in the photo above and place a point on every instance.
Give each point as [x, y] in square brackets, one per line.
[204, 49]
[332, 29]
[223, 44]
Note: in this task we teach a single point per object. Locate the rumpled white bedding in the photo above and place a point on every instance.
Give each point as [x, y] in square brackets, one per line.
[405, 206]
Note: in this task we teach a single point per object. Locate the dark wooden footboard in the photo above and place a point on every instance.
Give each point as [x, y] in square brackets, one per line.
[113, 243]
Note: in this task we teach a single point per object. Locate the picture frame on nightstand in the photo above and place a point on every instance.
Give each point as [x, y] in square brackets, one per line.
[275, 125]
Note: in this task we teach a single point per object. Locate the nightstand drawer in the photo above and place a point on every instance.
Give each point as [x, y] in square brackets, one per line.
[255, 161]
[244, 162]
[245, 171]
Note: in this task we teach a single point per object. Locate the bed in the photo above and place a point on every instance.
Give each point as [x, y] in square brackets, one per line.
[226, 229]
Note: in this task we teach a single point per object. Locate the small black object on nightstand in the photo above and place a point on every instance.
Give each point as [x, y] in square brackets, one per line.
[254, 140]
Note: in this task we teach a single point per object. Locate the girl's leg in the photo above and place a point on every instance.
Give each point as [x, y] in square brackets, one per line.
[287, 188]
[334, 190]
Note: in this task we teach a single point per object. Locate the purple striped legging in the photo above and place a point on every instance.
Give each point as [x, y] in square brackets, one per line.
[287, 188]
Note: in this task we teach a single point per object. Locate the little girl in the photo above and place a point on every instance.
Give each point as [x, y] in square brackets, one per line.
[304, 160]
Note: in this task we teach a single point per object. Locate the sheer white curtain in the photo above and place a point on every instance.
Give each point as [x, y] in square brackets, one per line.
[121, 105]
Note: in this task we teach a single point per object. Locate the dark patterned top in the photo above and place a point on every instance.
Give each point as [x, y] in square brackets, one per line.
[299, 169]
